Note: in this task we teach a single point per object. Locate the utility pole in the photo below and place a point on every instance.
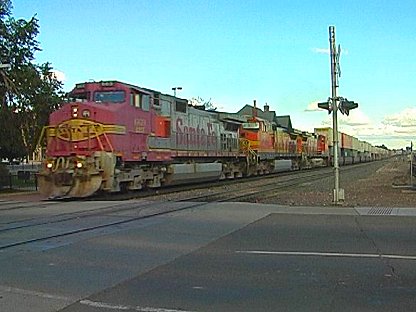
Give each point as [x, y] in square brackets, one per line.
[411, 164]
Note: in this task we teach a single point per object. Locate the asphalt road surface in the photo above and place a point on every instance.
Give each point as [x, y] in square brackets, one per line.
[282, 262]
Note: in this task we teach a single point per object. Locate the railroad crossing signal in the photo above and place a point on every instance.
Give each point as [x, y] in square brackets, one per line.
[345, 106]
[334, 104]
[326, 105]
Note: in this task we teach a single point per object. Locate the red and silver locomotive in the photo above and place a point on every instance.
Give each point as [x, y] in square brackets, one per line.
[114, 136]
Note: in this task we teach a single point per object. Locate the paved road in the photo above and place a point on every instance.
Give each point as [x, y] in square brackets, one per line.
[221, 257]
[283, 263]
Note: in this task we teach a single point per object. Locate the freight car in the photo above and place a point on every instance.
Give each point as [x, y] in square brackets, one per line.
[112, 136]
[351, 149]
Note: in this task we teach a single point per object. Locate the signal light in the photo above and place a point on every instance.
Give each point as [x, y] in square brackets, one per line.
[326, 105]
[107, 83]
[345, 106]
[74, 111]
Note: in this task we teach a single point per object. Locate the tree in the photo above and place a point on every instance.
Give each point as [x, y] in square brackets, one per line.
[206, 105]
[11, 145]
[382, 146]
[38, 97]
[28, 92]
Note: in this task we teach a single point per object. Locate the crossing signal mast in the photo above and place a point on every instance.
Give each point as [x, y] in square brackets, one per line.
[333, 104]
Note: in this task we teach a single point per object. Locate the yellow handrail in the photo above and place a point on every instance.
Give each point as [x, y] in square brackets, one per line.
[246, 149]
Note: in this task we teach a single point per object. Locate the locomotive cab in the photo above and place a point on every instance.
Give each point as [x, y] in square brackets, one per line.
[102, 125]
[258, 134]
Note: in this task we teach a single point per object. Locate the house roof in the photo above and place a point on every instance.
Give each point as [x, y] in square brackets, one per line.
[249, 110]
[284, 122]
[281, 121]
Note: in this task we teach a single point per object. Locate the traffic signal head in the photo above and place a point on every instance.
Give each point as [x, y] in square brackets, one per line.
[345, 106]
[326, 105]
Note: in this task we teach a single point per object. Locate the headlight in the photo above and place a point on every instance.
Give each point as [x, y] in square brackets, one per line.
[79, 165]
[49, 165]
[74, 111]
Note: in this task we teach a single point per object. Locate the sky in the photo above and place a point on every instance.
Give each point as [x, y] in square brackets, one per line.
[232, 52]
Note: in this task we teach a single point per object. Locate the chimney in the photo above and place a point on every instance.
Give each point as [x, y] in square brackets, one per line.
[266, 107]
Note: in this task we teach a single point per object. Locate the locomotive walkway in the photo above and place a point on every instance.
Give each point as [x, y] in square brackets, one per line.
[220, 257]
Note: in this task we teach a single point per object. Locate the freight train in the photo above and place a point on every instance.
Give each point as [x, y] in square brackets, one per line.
[111, 136]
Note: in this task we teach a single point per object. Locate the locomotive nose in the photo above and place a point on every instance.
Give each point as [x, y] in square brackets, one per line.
[66, 184]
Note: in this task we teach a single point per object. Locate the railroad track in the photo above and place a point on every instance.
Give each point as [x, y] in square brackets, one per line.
[20, 206]
[192, 186]
[144, 211]
[142, 194]
[244, 194]
[33, 230]
[62, 217]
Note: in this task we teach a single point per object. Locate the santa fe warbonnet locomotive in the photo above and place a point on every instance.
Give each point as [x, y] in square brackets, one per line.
[113, 136]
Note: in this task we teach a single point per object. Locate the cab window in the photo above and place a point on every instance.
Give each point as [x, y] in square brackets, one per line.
[140, 100]
[180, 106]
[79, 96]
[109, 96]
[145, 102]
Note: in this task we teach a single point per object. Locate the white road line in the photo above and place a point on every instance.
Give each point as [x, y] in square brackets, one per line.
[108, 306]
[325, 254]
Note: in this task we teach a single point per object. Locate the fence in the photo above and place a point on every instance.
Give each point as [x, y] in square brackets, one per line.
[19, 180]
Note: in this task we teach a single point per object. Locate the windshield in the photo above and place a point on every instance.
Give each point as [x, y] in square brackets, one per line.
[109, 96]
[78, 97]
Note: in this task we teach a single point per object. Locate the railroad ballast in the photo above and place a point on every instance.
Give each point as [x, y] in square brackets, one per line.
[112, 136]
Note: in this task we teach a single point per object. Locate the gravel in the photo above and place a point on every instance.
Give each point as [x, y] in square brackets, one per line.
[377, 184]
